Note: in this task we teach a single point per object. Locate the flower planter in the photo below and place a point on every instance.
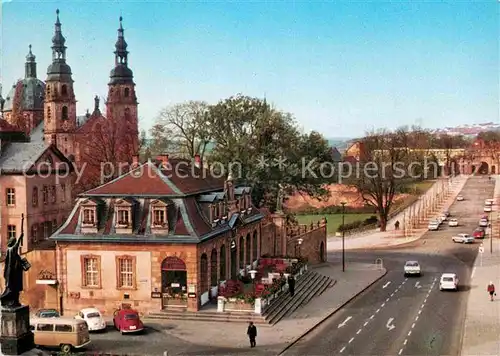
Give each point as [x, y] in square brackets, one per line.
[239, 305]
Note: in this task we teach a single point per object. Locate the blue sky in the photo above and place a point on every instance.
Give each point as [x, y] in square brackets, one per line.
[340, 67]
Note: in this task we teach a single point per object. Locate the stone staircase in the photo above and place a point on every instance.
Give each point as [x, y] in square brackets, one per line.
[310, 285]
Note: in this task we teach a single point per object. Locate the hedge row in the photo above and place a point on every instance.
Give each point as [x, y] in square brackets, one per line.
[358, 224]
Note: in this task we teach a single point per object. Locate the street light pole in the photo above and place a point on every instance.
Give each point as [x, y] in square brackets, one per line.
[343, 235]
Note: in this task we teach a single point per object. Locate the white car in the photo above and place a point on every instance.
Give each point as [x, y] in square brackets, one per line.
[412, 268]
[448, 281]
[93, 318]
[453, 222]
[488, 202]
[487, 209]
[460, 198]
[483, 223]
[433, 226]
[463, 238]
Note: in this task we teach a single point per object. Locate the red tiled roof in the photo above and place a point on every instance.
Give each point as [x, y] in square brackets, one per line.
[109, 218]
[200, 226]
[140, 181]
[180, 226]
[144, 222]
[6, 127]
[70, 228]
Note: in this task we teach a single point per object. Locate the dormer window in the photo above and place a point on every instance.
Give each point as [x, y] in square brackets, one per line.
[124, 217]
[159, 217]
[89, 216]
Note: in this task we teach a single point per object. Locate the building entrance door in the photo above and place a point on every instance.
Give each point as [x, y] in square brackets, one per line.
[173, 282]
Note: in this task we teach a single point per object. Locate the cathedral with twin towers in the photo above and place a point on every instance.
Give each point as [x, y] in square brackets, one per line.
[47, 110]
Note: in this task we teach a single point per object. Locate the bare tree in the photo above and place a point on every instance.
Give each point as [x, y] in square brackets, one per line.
[183, 126]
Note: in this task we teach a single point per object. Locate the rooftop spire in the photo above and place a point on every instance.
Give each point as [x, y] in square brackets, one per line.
[58, 41]
[121, 73]
[121, 46]
[30, 66]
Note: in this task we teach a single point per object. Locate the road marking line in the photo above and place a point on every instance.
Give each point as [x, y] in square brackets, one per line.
[377, 310]
[352, 339]
[413, 325]
[372, 316]
[416, 319]
[420, 312]
[472, 274]
[409, 333]
[387, 300]
[406, 279]
[359, 331]
[392, 295]
[406, 340]
[342, 349]
[383, 305]
[400, 352]
[365, 324]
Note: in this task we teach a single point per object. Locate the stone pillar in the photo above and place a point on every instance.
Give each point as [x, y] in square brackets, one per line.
[279, 220]
[15, 336]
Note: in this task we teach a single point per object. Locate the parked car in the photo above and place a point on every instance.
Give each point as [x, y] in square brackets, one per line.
[47, 313]
[63, 333]
[479, 233]
[460, 198]
[447, 214]
[433, 226]
[463, 238]
[453, 222]
[488, 202]
[412, 268]
[483, 223]
[448, 281]
[487, 209]
[127, 321]
[443, 218]
[93, 318]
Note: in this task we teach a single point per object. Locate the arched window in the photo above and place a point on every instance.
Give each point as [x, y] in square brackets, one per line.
[213, 268]
[64, 90]
[127, 92]
[222, 262]
[64, 113]
[35, 197]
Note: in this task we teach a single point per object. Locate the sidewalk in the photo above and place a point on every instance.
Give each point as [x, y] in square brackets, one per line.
[482, 320]
[230, 338]
[392, 237]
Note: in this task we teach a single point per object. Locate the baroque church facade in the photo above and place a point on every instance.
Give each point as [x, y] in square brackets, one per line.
[47, 110]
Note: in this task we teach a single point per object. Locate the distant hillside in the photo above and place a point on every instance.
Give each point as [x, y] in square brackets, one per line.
[469, 130]
[341, 143]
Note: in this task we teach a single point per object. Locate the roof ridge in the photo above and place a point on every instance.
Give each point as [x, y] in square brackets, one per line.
[114, 180]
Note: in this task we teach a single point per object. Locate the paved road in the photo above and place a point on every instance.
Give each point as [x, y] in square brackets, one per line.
[408, 316]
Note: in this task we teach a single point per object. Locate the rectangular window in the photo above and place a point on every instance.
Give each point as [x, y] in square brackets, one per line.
[89, 216]
[63, 192]
[91, 272]
[125, 272]
[11, 197]
[159, 216]
[11, 231]
[123, 217]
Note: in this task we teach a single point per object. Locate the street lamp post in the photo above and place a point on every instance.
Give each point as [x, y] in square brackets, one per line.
[253, 273]
[343, 235]
[299, 241]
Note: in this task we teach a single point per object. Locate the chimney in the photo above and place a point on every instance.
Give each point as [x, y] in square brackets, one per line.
[197, 161]
[163, 160]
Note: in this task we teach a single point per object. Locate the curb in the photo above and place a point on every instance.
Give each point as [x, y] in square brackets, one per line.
[307, 332]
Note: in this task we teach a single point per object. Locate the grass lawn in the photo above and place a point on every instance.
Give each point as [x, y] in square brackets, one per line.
[422, 187]
[333, 220]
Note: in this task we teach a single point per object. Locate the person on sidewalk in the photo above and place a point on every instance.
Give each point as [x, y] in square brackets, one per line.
[396, 225]
[291, 285]
[491, 290]
[252, 333]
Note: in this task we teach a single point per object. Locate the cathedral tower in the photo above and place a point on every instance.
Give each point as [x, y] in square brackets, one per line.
[60, 103]
[122, 103]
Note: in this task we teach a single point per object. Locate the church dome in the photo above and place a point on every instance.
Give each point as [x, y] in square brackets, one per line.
[33, 91]
[59, 71]
[121, 74]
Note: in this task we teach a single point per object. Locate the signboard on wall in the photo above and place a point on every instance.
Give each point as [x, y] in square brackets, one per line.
[155, 295]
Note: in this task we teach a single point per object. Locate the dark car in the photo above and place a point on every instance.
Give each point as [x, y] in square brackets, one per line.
[47, 313]
[127, 321]
[478, 233]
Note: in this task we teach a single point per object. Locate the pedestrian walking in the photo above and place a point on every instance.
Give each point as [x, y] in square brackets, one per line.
[396, 225]
[291, 285]
[252, 333]
[491, 290]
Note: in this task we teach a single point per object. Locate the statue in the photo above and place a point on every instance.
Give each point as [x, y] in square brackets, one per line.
[15, 265]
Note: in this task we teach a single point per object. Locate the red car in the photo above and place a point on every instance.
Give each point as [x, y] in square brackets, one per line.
[127, 321]
[478, 234]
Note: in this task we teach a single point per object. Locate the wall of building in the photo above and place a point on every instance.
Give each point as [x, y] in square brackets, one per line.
[11, 215]
[313, 238]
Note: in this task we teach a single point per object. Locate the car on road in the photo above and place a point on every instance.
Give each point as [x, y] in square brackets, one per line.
[487, 209]
[433, 226]
[453, 222]
[127, 321]
[479, 233]
[460, 198]
[463, 238]
[443, 217]
[448, 281]
[447, 214]
[483, 222]
[47, 313]
[488, 202]
[412, 268]
[93, 318]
